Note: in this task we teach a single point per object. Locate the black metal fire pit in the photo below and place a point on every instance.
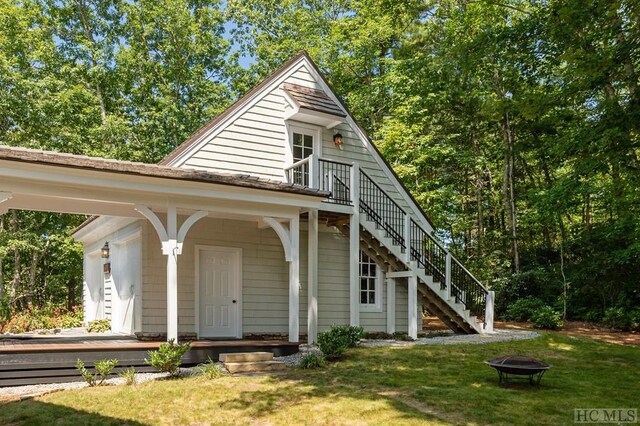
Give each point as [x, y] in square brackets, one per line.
[519, 366]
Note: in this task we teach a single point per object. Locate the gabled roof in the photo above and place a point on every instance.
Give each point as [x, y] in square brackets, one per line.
[196, 137]
[25, 155]
[315, 100]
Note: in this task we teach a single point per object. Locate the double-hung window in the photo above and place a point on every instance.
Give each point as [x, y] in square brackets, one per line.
[370, 284]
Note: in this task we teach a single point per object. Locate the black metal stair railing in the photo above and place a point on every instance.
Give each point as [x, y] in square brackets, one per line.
[428, 253]
[467, 289]
[335, 177]
[382, 210]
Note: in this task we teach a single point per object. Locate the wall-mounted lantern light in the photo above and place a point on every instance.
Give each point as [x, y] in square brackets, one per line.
[104, 251]
[337, 139]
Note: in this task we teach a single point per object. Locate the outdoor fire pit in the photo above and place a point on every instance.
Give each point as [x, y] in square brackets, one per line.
[519, 366]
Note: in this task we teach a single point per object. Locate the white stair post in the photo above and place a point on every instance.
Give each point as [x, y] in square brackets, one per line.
[391, 305]
[413, 306]
[354, 248]
[407, 237]
[488, 314]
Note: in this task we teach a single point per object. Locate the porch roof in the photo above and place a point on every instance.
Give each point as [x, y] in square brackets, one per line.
[52, 158]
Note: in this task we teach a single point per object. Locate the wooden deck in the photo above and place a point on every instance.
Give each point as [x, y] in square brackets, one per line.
[52, 360]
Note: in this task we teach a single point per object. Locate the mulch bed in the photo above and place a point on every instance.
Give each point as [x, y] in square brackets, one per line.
[571, 328]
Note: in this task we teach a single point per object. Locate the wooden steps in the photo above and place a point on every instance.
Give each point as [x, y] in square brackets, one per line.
[251, 362]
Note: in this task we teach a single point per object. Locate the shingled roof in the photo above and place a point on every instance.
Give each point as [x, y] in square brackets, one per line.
[312, 99]
[51, 158]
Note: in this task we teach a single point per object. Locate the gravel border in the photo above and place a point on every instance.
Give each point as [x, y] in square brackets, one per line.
[18, 393]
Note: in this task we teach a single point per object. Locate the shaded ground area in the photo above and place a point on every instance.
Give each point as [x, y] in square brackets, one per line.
[571, 328]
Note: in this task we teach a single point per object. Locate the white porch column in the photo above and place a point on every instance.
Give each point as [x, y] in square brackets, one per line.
[294, 281]
[312, 279]
[488, 314]
[354, 248]
[413, 306]
[172, 241]
[391, 305]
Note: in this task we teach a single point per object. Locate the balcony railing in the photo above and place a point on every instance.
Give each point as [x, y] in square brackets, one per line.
[327, 175]
[418, 245]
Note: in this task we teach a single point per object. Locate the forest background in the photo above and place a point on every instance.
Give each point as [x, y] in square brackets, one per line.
[514, 123]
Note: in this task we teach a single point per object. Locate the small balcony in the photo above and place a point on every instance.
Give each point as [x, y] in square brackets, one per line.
[332, 176]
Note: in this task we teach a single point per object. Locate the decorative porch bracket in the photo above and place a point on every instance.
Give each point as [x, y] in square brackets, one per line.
[290, 239]
[172, 241]
[4, 196]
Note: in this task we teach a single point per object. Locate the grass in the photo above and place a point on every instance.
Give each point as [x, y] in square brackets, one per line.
[436, 385]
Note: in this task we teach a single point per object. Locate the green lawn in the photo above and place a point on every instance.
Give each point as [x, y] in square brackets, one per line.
[416, 385]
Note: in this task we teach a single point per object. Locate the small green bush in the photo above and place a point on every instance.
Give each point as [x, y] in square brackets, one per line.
[99, 326]
[338, 339]
[523, 309]
[617, 318]
[168, 357]
[210, 370]
[103, 369]
[402, 336]
[312, 360]
[547, 318]
[129, 376]
[635, 320]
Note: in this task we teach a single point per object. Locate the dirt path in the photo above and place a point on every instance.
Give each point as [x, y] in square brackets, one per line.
[571, 328]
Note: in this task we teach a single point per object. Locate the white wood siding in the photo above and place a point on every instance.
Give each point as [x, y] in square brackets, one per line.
[265, 279]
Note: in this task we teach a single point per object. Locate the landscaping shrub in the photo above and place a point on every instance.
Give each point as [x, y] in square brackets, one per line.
[42, 318]
[168, 357]
[312, 360]
[103, 369]
[635, 319]
[523, 309]
[338, 339]
[617, 318]
[99, 326]
[210, 369]
[129, 376]
[547, 318]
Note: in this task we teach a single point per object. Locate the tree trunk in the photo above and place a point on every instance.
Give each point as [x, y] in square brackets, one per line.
[479, 184]
[509, 198]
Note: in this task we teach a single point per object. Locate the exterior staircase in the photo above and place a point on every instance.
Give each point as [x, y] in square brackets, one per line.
[251, 362]
[394, 238]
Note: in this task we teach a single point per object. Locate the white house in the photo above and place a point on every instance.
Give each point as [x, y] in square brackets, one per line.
[278, 217]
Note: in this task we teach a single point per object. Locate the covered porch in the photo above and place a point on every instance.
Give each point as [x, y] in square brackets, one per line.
[170, 202]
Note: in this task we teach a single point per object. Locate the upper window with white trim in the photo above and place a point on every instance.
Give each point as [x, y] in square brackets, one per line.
[370, 283]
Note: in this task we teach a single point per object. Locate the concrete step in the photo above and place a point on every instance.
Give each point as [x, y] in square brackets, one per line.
[255, 367]
[246, 357]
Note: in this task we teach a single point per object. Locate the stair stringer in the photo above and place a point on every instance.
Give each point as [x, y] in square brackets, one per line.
[426, 280]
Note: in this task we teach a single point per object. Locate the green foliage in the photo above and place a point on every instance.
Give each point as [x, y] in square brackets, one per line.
[211, 369]
[312, 360]
[168, 357]
[523, 309]
[338, 339]
[402, 336]
[129, 376]
[103, 369]
[622, 319]
[99, 326]
[547, 318]
[46, 318]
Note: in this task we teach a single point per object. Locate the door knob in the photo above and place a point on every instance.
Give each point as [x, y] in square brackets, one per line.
[234, 301]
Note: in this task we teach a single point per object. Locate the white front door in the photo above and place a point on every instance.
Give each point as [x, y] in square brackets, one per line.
[219, 304]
